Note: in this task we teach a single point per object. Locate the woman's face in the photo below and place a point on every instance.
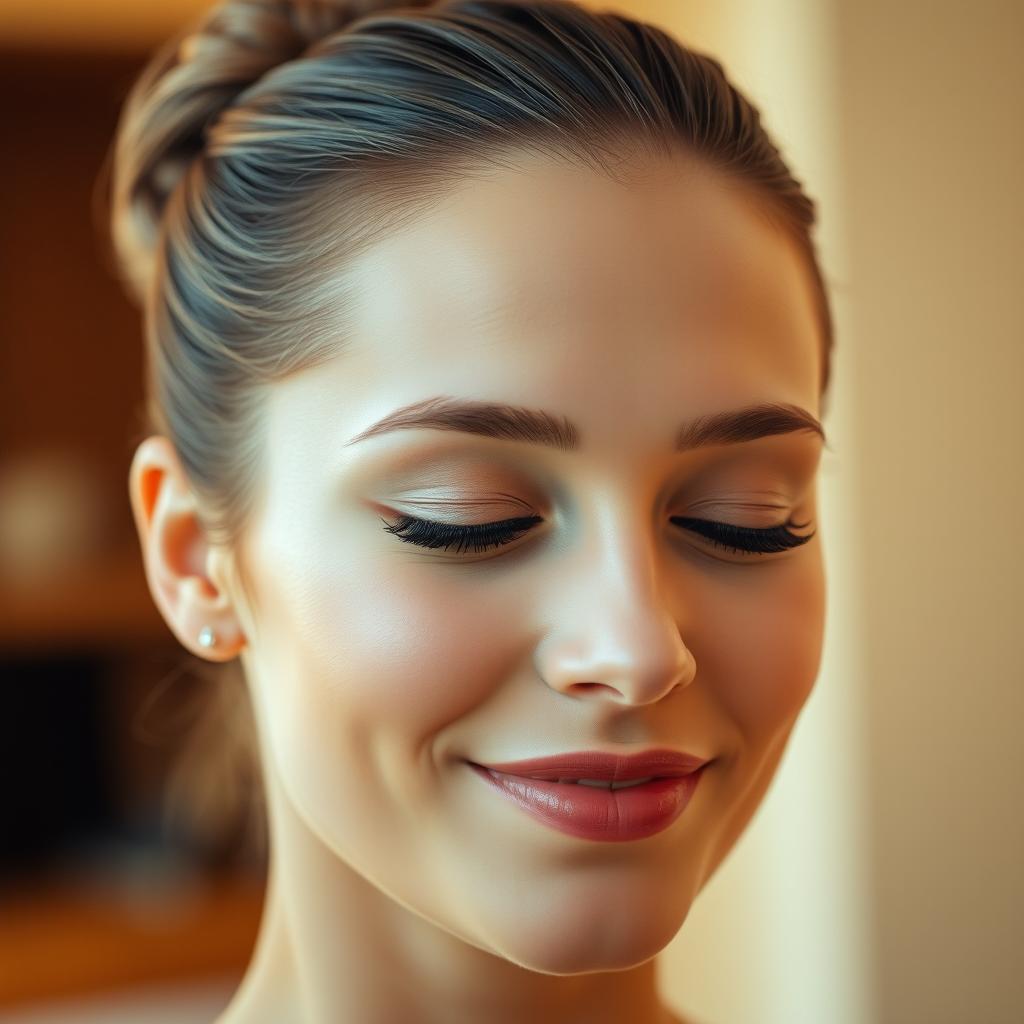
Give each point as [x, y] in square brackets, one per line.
[380, 668]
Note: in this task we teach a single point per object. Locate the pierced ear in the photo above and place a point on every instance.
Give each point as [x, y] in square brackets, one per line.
[176, 553]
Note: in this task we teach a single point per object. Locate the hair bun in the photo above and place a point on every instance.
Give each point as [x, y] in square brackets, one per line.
[183, 88]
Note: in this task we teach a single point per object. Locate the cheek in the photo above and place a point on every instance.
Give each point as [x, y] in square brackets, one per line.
[378, 660]
[766, 653]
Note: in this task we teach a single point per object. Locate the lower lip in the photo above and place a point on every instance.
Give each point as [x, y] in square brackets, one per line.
[609, 815]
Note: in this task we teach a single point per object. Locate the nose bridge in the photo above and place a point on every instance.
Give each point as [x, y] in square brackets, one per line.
[613, 628]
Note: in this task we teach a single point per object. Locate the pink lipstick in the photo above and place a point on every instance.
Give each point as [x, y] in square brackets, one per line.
[621, 796]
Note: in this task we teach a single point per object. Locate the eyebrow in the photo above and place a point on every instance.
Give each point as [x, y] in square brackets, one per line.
[534, 426]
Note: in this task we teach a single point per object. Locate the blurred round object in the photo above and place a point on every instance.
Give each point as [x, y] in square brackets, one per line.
[53, 515]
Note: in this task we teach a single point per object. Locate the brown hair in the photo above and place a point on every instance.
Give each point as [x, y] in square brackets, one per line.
[270, 142]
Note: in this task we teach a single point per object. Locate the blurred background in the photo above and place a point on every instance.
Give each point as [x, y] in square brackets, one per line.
[881, 880]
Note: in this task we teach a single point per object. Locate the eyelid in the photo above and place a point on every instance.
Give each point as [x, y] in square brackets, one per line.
[486, 505]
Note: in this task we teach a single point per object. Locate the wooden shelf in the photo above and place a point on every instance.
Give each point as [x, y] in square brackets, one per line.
[65, 939]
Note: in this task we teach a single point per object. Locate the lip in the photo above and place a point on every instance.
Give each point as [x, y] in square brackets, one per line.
[588, 812]
[661, 762]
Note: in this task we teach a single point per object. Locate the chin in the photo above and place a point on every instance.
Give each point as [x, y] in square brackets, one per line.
[616, 941]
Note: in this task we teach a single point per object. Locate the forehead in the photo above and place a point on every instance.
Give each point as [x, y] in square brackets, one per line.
[551, 284]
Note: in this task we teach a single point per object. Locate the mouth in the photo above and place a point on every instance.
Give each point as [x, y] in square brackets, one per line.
[609, 810]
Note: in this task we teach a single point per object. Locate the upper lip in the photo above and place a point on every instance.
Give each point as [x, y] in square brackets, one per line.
[596, 764]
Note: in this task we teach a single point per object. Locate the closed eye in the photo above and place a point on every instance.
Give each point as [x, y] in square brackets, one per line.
[765, 540]
[428, 533]
[477, 537]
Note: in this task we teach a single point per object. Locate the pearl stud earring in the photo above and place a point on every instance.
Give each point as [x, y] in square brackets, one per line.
[207, 637]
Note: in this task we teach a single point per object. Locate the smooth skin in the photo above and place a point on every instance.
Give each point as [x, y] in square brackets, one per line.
[402, 887]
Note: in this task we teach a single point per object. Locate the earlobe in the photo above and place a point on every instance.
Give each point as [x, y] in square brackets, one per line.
[175, 554]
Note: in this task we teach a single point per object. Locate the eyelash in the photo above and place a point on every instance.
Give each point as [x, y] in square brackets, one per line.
[482, 536]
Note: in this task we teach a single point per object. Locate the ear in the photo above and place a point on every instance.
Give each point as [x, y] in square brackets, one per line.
[180, 564]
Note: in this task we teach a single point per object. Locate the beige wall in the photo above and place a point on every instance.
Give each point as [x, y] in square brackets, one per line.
[934, 163]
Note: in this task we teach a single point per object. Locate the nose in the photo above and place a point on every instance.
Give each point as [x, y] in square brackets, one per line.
[613, 634]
